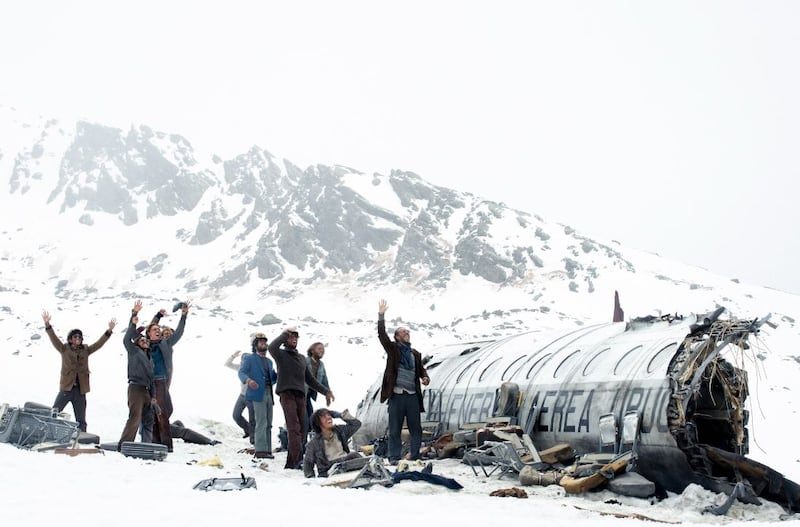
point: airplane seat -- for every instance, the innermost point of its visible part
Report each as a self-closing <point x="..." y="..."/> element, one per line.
<point x="607" y="424"/>
<point x="631" y="423"/>
<point x="631" y="430"/>
<point x="507" y="401"/>
<point x="608" y="443"/>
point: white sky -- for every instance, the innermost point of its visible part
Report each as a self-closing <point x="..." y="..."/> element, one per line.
<point x="671" y="127"/>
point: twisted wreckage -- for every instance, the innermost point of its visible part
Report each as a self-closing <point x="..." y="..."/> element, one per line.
<point x="39" y="427"/>
<point x="682" y="403"/>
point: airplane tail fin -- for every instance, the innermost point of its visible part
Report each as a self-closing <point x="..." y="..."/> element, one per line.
<point x="619" y="314"/>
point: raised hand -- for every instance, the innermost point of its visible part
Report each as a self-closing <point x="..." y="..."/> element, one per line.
<point x="185" y="308"/>
<point x="162" y="312"/>
<point x="111" y="324"/>
<point x="46" y="317"/>
<point x="137" y="306"/>
<point x="382" y="307"/>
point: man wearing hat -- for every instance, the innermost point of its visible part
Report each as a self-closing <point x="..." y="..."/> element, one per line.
<point x="74" y="382"/>
<point x="293" y="376"/>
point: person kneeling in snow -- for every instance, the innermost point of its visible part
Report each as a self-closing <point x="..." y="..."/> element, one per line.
<point x="329" y="444"/>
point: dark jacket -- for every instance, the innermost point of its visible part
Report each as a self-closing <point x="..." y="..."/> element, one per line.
<point x="293" y="373"/>
<point x="315" y="449"/>
<point x="251" y="368"/>
<point x="140" y="364"/>
<point x="75" y="360"/>
<point x="393" y="361"/>
<point x="166" y="344"/>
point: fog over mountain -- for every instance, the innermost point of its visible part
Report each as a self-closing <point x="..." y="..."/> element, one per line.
<point x="263" y="224"/>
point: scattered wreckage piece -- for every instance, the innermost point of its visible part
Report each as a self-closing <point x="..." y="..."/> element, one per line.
<point x="513" y="492"/>
<point x="348" y="465"/>
<point x="225" y="484"/>
<point x="529" y="476"/>
<point x="631" y="484"/>
<point x="556" y="454"/>
<point x="35" y="427"/>
<point x="577" y="483"/>
<point x="75" y="451"/>
<point x="149" y="451"/>
<point x="633" y="515"/>
<point x="372" y="473"/>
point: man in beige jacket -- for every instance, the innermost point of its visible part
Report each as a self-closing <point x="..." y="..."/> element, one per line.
<point x="74" y="382"/>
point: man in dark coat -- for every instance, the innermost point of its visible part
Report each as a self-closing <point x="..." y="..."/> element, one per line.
<point x="74" y="381"/>
<point x="293" y="376"/>
<point x="401" y="386"/>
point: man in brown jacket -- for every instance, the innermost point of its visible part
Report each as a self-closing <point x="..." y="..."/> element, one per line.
<point x="401" y="386"/>
<point x="74" y="382"/>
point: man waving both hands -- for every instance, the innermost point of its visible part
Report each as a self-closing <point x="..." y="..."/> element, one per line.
<point x="74" y="381"/>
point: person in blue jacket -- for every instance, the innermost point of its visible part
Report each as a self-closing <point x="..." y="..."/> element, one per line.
<point x="257" y="373"/>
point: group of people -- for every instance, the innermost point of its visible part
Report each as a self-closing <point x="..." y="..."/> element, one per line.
<point x="295" y="379"/>
<point x="149" y="373"/>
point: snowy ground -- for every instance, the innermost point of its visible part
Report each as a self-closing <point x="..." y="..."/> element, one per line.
<point x="100" y="488"/>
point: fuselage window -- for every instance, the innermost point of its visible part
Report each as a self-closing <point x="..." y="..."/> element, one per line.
<point x="506" y="374"/>
<point x="487" y="368"/>
<point x="566" y="364"/>
<point x="660" y="358"/>
<point x="626" y="360"/>
<point x="465" y="370"/>
<point x="539" y="363"/>
<point x="469" y="350"/>
<point x="591" y="366"/>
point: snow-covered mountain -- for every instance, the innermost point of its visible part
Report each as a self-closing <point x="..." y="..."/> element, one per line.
<point x="212" y="228"/>
<point x="275" y="222"/>
<point x="95" y="217"/>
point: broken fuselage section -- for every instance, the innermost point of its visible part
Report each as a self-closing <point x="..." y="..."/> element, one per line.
<point x="669" y="372"/>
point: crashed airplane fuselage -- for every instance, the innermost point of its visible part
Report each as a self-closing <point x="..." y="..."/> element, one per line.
<point x="668" y="371"/>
